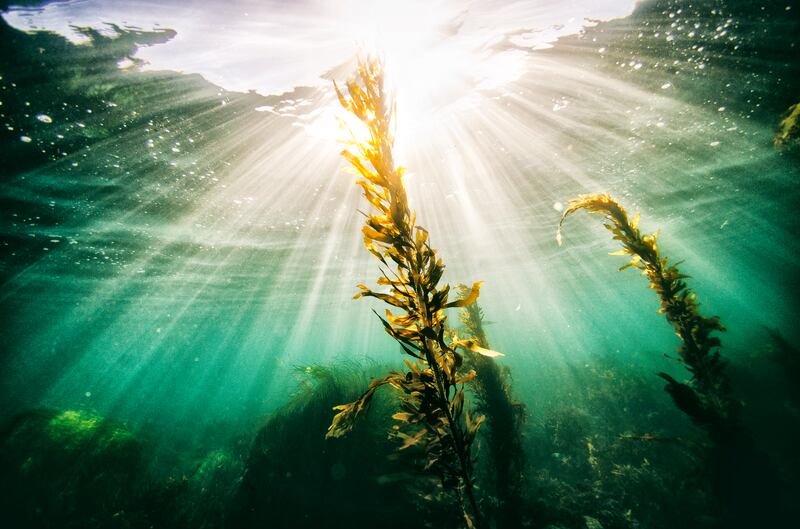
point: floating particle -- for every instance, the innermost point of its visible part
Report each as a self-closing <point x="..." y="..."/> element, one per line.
<point x="44" y="118"/>
<point x="25" y="139"/>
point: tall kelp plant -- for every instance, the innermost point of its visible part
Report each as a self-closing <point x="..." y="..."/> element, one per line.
<point x="505" y="417"/>
<point x="706" y="396"/>
<point x="432" y="417"/>
<point x="743" y="478"/>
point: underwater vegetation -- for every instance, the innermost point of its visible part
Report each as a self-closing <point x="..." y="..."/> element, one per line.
<point x="586" y="467"/>
<point x="505" y="417"/>
<point x="706" y="397"/>
<point x="294" y="477"/>
<point x="611" y="452"/>
<point x="432" y="412"/>
<point x="297" y="478"/>
<point x="75" y="468"/>
<point x="740" y="473"/>
<point x="787" y="355"/>
<point x="595" y="446"/>
<point x="67" y="469"/>
<point x="788" y="134"/>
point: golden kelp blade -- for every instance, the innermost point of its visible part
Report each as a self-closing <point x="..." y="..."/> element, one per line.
<point x="473" y="346"/>
<point x="470" y="298"/>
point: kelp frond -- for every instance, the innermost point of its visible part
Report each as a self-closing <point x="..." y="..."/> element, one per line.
<point x="505" y="416"/>
<point x="344" y="421"/>
<point x="788" y="133"/>
<point x="432" y="417"/>
<point x="706" y="396"/>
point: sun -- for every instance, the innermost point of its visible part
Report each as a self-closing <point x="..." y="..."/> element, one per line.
<point x="431" y="65"/>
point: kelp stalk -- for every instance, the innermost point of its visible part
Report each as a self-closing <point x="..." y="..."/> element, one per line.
<point x="433" y="415"/>
<point x="706" y="396"/>
<point x="505" y="417"/>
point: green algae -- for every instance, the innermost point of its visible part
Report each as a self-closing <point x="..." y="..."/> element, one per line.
<point x="71" y="468"/>
<point x="73" y="430"/>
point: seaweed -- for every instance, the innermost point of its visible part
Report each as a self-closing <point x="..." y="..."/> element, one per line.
<point x="433" y="416"/>
<point x="68" y="469"/>
<point x="739" y="472"/>
<point x="788" y="133"/>
<point x="505" y="417"/>
<point x="706" y="397"/>
<point x="296" y="478"/>
<point x="590" y="462"/>
<point x="783" y="352"/>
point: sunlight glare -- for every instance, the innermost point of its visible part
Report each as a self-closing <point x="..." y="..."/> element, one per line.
<point x="430" y="64"/>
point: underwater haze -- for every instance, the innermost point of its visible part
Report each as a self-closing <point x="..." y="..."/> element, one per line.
<point x="182" y="240"/>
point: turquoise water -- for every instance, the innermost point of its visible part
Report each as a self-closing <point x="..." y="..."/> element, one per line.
<point x="175" y="248"/>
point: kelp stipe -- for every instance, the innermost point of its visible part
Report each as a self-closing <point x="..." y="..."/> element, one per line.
<point x="432" y="414"/>
<point x="504" y="418"/>
<point x="706" y="397"/>
<point x="786" y="354"/>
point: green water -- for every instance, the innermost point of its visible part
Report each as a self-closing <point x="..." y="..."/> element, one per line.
<point x="173" y="258"/>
